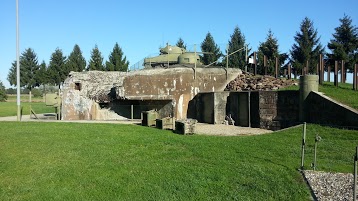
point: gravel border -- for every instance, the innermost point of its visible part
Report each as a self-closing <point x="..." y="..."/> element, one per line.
<point x="330" y="186"/>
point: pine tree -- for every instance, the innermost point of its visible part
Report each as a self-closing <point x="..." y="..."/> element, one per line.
<point x="11" y="77"/>
<point x="269" y="48"/>
<point x="43" y="76"/>
<point x="57" y="69"/>
<point x="96" y="61"/>
<point x="344" y="45"/>
<point x="237" y="41"/>
<point x="29" y="68"/>
<point x="180" y="43"/>
<point x="76" y="62"/>
<point x="307" y="47"/>
<point x="116" y="62"/>
<point x="3" y="95"/>
<point x="211" y="50"/>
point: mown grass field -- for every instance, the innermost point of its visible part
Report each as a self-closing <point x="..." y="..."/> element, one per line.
<point x="10" y="108"/>
<point x="69" y="161"/>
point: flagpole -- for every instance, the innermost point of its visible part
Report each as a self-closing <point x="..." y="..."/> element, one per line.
<point x="17" y="63"/>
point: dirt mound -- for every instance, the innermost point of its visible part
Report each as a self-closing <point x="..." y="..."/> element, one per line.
<point x="248" y="81"/>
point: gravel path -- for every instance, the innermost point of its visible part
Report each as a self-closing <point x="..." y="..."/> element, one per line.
<point x="227" y="130"/>
<point x="330" y="186"/>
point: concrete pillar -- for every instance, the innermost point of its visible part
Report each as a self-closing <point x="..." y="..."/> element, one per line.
<point x="308" y="83"/>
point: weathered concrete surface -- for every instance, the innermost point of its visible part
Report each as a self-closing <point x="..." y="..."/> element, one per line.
<point x="83" y="92"/>
<point x="321" y="109"/>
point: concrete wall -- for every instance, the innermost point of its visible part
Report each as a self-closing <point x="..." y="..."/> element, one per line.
<point x="321" y="109"/>
<point x="208" y="107"/>
<point x="178" y="85"/>
<point x="274" y="109"/>
<point x="261" y="109"/>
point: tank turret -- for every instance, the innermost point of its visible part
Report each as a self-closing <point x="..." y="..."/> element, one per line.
<point x="171" y="55"/>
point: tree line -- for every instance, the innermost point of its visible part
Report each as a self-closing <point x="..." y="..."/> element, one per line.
<point x="34" y="74"/>
<point x="303" y="53"/>
<point x="305" y="50"/>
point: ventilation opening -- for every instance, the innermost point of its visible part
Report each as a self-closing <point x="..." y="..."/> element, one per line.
<point x="78" y="86"/>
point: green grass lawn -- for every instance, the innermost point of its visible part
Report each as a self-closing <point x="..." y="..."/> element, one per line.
<point x="23" y="98"/>
<point x="10" y="108"/>
<point x="343" y="93"/>
<point x="73" y="161"/>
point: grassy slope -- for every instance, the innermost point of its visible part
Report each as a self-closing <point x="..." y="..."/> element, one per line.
<point x="68" y="161"/>
<point x="343" y="93"/>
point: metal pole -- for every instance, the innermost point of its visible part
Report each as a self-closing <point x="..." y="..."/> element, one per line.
<point x="132" y="112"/>
<point x="227" y="59"/>
<point x="355" y="176"/>
<point x="18" y="63"/>
<point x="303" y="145"/>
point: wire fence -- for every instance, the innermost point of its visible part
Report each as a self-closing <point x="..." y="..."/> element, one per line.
<point x="323" y="150"/>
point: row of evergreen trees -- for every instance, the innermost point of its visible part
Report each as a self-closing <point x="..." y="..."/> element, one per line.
<point x="34" y="74"/>
<point x="306" y="49"/>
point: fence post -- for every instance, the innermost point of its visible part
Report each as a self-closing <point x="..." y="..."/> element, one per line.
<point x="265" y="65"/>
<point x="276" y="68"/>
<point x="328" y="73"/>
<point x="355" y="81"/>
<point x="355" y="176"/>
<point x="132" y="112"/>
<point x="336" y="73"/>
<point x="317" y="139"/>
<point x="255" y="64"/>
<point x="342" y="72"/>
<point x="303" y="145"/>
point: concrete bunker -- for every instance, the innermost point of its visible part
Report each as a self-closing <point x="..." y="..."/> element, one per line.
<point x="98" y="95"/>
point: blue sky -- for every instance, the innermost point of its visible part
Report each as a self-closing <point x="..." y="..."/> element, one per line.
<point x="141" y="27"/>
